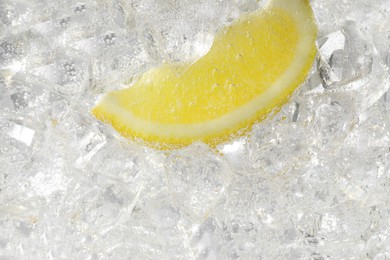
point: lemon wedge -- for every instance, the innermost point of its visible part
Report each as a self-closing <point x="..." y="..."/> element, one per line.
<point x="252" y="68"/>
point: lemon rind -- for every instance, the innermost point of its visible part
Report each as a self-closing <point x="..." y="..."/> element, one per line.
<point x="217" y="129"/>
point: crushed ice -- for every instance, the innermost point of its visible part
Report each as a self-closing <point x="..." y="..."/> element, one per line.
<point x="312" y="182"/>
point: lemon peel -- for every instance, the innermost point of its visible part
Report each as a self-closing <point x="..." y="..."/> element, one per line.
<point x="252" y="68"/>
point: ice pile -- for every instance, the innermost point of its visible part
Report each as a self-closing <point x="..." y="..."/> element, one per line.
<point x="311" y="182"/>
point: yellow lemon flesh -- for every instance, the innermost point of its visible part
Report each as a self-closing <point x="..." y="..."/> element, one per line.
<point x="251" y="69"/>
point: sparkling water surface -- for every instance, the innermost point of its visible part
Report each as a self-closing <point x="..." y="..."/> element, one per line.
<point x="311" y="182"/>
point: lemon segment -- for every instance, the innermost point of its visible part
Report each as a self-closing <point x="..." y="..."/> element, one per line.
<point x="251" y="69"/>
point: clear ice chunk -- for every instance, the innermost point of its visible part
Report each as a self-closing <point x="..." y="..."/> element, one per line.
<point x="348" y="62"/>
<point x="196" y="185"/>
<point x="90" y="143"/>
<point x="332" y="44"/>
<point x="22" y="134"/>
<point x="69" y="76"/>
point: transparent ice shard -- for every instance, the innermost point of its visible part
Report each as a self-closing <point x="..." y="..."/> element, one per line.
<point x="171" y="228"/>
<point x="118" y="62"/>
<point x="332" y="44"/>
<point x="20" y="100"/>
<point x="190" y="42"/>
<point x="196" y="185"/>
<point x="47" y="183"/>
<point x="16" y="139"/>
<point x="9" y="15"/>
<point x="207" y="240"/>
<point x="22" y="134"/>
<point x="90" y="143"/>
<point x="347" y="62"/>
<point x="19" y="96"/>
<point x="116" y="161"/>
<point x="6" y="103"/>
<point x="70" y="75"/>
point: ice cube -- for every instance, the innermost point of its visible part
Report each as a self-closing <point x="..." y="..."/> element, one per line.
<point x="45" y="184"/>
<point x="196" y="185"/>
<point x="70" y="76"/>
<point x="331" y="43"/>
<point x="12" y="50"/>
<point x="22" y="134"/>
<point x="91" y="142"/>
<point x="348" y="62"/>
<point x="207" y="240"/>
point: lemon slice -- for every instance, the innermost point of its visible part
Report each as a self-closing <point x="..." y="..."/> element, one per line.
<point x="251" y="69"/>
